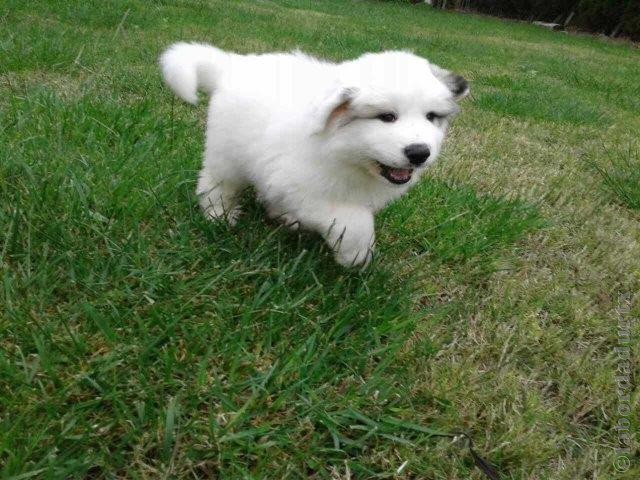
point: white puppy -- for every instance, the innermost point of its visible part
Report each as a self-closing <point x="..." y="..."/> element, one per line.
<point x="325" y="145"/>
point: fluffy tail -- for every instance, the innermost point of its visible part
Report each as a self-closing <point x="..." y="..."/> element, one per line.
<point x="187" y="67"/>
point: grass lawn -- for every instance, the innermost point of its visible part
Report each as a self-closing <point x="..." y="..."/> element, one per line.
<point x="139" y="341"/>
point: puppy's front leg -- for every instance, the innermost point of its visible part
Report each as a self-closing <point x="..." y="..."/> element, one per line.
<point x="349" y="231"/>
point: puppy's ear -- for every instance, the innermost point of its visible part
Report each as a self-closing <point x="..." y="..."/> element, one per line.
<point x="336" y="109"/>
<point x="457" y="84"/>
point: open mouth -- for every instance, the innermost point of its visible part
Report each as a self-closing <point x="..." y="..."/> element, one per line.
<point x="396" y="175"/>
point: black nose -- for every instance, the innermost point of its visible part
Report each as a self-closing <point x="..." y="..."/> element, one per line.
<point x="417" y="153"/>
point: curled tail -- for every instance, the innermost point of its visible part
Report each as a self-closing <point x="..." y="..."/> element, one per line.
<point x="187" y="67"/>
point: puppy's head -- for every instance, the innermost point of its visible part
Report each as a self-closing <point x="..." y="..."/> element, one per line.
<point x="392" y="119"/>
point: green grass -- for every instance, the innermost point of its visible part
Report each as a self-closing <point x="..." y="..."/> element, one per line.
<point x="137" y="340"/>
<point x="621" y="176"/>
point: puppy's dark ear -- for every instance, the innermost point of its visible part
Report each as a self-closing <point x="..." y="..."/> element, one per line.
<point x="335" y="110"/>
<point x="457" y="84"/>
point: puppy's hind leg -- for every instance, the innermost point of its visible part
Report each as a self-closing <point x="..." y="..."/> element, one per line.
<point x="284" y="218"/>
<point x="219" y="187"/>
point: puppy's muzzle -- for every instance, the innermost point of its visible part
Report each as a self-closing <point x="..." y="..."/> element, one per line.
<point x="417" y="153"/>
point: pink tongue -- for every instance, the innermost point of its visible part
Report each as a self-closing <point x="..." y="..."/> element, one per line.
<point x="400" y="173"/>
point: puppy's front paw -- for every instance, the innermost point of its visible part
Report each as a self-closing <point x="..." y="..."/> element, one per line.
<point x="357" y="258"/>
<point x="348" y="230"/>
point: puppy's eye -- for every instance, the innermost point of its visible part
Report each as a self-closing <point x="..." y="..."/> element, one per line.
<point x="387" y="117"/>
<point x="431" y="116"/>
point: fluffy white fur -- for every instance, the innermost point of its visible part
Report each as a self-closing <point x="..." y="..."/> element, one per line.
<point x="314" y="138"/>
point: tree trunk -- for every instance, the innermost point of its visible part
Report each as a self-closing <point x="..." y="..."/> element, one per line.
<point x="614" y="33"/>
<point x="569" y="18"/>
